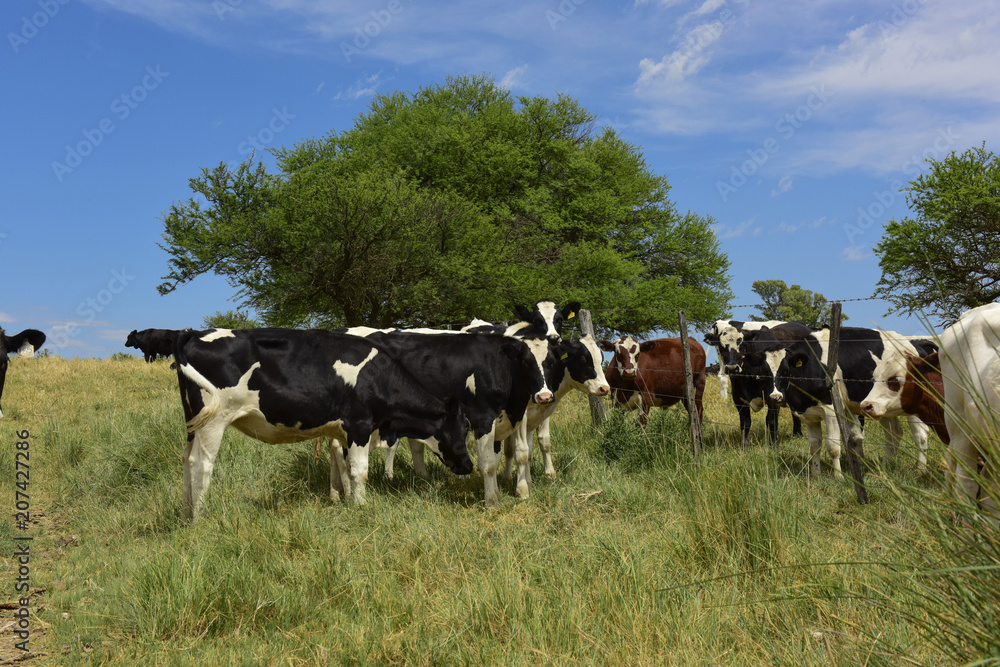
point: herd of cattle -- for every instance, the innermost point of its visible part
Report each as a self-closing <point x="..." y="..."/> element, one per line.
<point x="363" y="388"/>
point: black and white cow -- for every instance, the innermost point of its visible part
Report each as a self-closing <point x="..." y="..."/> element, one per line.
<point x="578" y="366"/>
<point x="24" y="344"/>
<point x="747" y="372"/>
<point x="152" y="342"/>
<point x="493" y="376"/>
<point x="544" y="320"/>
<point x="284" y="385"/>
<point x="800" y="379"/>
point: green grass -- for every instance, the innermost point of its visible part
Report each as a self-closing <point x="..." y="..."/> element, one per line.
<point x="634" y="554"/>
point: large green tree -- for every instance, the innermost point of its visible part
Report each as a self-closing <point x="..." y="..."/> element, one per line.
<point x="945" y="258"/>
<point x="781" y="302"/>
<point x="452" y="202"/>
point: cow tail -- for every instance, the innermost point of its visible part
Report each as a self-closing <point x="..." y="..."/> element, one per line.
<point x="210" y="394"/>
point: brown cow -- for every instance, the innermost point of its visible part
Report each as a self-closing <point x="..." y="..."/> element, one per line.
<point x="651" y="374"/>
<point x="922" y="390"/>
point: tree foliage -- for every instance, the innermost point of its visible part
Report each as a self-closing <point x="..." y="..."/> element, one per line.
<point x="944" y="259"/>
<point x="453" y="202"/>
<point x="781" y="302"/>
<point x="231" y="319"/>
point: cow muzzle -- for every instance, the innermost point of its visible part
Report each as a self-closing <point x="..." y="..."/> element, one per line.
<point x="733" y="368"/>
<point x="777" y="397"/>
<point x="543" y="397"/>
<point x="629" y="372"/>
<point x="870" y="409"/>
<point x="603" y="390"/>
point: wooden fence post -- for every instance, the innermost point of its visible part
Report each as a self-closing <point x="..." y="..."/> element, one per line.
<point x="853" y="444"/>
<point x="689" y="388"/>
<point x="597" y="414"/>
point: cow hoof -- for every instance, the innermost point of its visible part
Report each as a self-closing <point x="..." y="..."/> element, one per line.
<point x="523" y="489"/>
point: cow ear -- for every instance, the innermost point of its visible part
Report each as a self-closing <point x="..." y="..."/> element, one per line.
<point x="606" y="345"/>
<point x="933" y="361"/>
<point x="711" y="339"/>
<point x="647" y="346"/>
<point x="26" y="342"/>
<point x="523" y="313"/>
<point x="570" y="310"/>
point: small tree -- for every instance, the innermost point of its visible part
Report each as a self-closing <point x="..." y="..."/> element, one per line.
<point x="231" y="320"/>
<point x="944" y="259"/>
<point x="782" y="302"/>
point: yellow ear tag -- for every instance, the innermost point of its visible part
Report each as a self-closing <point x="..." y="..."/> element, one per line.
<point x="798" y="364"/>
<point x="571" y="316"/>
<point x="565" y="356"/>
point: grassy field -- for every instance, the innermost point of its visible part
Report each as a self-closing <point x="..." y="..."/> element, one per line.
<point x="633" y="555"/>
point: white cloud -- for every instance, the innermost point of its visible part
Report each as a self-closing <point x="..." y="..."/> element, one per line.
<point x="6" y="317"/>
<point x="745" y="228"/>
<point x="513" y="78"/>
<point x="784" y="185"/>
<point x="856" y="253"/>
<point x="365" y="87"/>
<point x="894" y="76"/>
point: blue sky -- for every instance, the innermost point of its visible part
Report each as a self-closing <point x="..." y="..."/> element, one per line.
<point x="793" y="124"/>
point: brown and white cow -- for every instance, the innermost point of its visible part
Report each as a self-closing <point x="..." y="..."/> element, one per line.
<point x="651" y="374"/>
<point x="921" y="392"/>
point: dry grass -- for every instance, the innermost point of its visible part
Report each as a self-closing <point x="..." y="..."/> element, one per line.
<point x="740" y="560"/>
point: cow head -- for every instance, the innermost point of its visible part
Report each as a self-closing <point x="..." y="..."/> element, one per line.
<point x="799" y="377"/>
<point x="546" y="319"/>
<point x="454" y="432"/>
<point x="582" y="361"/>
<point x="626" y="354"/>
<point x="133" y="339"/>
<point x="24" y="343"/>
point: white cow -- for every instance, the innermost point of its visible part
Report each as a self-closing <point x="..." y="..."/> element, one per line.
<point x="970" y="368"/>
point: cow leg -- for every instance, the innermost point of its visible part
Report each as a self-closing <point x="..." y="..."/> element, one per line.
<point x="796" y="425"/>
<point x="199" y="460"/>
<point x="743" y="410"/>
<point x="487" y="456"/>
<point x="921" y="433"/>
<point x="188" y="504"/>
<point x="508" y="452"/>
<point x="644" y="410"/>
<point x="522" y="453"/>
<point x="771" y="422"/>
<point x="357" y="464"/>
<point x="893" y="434"/>
<point x="338" y="469"/>
<point x="964" y="461"/>
<point x="545" y="444"/>
<point x="815" y="431"/>
<point x="833" y="440"/>
<point x="390" y="454"/>
<point x="417" y="456"/>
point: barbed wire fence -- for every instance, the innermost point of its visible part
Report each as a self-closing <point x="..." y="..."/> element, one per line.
<point x="684" y="392"/>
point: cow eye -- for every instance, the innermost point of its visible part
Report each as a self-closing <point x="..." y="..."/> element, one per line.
<point x="894" y="383"/>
